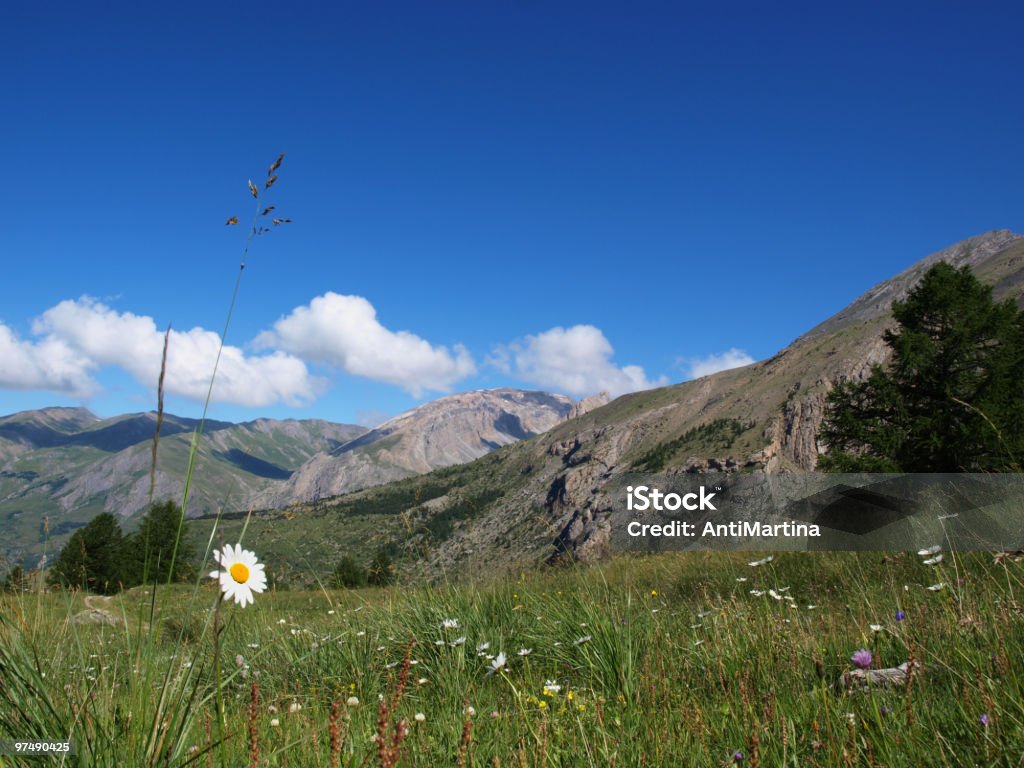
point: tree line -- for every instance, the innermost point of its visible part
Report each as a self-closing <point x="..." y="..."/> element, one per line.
<point x="101" y="558"/>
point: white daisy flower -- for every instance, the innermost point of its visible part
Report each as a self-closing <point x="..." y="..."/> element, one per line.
<point x="450" y="624"/>
<point x="525" y="651"/>
<point x="483" y="647"/>
<point x="757" y="592"/>
<point x="936" y="587"/>
<point x="457" y="642"/>
<point x="934" y="549"/>
<point x="550" y="686"/>
<point x="352" y="701"/>
<point x="243" y="574"/>
<point x="497" y="664"/>
<point x="762" y="561"/>
<point x="933" y="560"/>
<point x="875" y="627"/>
<point x="419" y="717"/>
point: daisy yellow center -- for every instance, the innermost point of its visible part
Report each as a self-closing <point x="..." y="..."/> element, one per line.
<point x="240" y="572"/>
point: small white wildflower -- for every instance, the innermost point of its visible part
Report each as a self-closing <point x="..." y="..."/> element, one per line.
<point x="876" y="627"/>
<point x="419" y="717"/>
<point x="422" y="681"/>
<point x="932" y="550"/>
<point x="762" y="561"/>
<point x="281" y="621"/>
<point x="450" y="624"/>
<point x="330" y="612"/>
<point x="294" y="707"/>
<point x="772" y="593"/>
<point x="457" y="642"/>
<point x="483" y="647"/>
<point x="582" y="640"/>
<point x="697" y="642"/>
<point x="525" y="651"/>
<point x="439" y="642"/>
<point x="497" y="664"/>
<point x="274" y="723"/>
<point x="352" y="701"/>
<point x="812" y="607"/>
<point x="933" y="560"/>
<point x="361" y="633"/>
<point x="550" y="686"/>
<point x="741" y="579"/>
<point x="757" y="592"/>
<point x="936" y="587"/>
<point x="470" y="711"/>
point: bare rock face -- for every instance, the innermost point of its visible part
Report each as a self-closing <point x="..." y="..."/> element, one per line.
<point x="588" y="404"/>
<point x="452" y="430"/>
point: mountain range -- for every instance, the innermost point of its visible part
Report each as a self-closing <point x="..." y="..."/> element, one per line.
<point x="65" y="465"/>
<point x="479" y="480"/>
<point x="539" y="500"/>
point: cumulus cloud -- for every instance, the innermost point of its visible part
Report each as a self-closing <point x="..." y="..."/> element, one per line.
<point x="576" y="361"/>
<point x="47" y="364"/>
<point x="343" y="331"/>
<point x="96" y="336"/>
<point x="713" y="363"/>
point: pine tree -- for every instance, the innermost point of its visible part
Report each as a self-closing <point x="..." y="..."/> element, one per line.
<point x="16" y="580"/>
<point x="349" y="574"/>
<point x="951" y="399"/>
<point x="151" y="547"/>
<point x="93" y="559"/>
<point x="382" y="569"/>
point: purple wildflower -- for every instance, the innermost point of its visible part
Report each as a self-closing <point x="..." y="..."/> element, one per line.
<point x="900" y="615"/>
<point x="984" y="719"/>
<point x="861" y="658"/>
<point x="737" y="756"/>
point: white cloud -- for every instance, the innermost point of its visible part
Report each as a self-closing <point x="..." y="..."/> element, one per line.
<point x="102" y="336"/>
<point x="343" y="331"/>
<point x="713" y="363"/>
<point x="576" y="361"/>
<point x="47" y="364"/>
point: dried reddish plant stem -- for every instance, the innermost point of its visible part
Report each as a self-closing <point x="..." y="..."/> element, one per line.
<point x="335" y="732"/>
<point x="465" y="758"/>
<point x="254" y="731"/>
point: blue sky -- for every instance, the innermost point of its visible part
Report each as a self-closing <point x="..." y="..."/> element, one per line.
<point x="545" y="195"/>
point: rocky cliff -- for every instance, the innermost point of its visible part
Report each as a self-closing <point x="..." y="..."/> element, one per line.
<point x="451" y="430"/>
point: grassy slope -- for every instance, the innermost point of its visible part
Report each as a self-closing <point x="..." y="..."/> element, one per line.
<point x="683" y="666"/>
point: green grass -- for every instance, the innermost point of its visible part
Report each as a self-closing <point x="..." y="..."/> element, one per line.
<point x="681" y="665"/>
